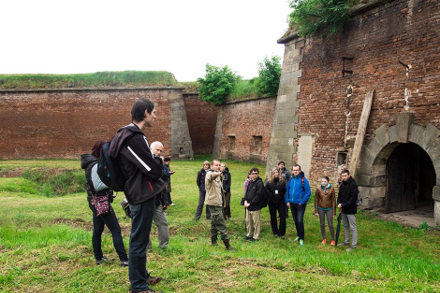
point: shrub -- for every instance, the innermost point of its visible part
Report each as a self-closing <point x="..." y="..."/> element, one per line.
<point x="269" y="76"/>
<point x="217" y="84"/>
<point x="313" y="17"/>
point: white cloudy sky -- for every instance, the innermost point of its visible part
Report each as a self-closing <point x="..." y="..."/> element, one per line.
<point x="179" y="36"/>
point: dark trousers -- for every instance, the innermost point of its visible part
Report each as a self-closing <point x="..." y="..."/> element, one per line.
<point x="298" y="217"/>
<point x="200" y="206"/>
<point x="141" y="220"/>
<point x="218" y="224"/>
<point x="112" y="224"/>
<point x="281" y="209"/>
<point x="227" y="208"/>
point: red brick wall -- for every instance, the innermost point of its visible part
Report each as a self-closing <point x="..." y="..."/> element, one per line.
<point x="65" y="124"/>
<point x="401" y="30"/>
<point x="202" y="119"/>
<point x="244" y="120"/>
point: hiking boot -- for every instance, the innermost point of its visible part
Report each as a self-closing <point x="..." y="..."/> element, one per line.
<point x="124" y="263"/>
<point x="301" y="242"/>
<point x="351" y="248"/>
<point x="213" y="241"/>
<point x="103" y="260"/>
<point x="248" y="238"/>
<point x="153" y="280"/>
<point x="253" y="240"/>
<point x="333" y="243"/>
<point x="296" y="239"/>
<point x="147" y="291"/>
<point x="344" y="244"/>
<point x="324" y="241"/>
<point x="228" y="245"/>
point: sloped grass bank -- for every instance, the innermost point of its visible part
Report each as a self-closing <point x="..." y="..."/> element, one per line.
<point x="45" y="246"/>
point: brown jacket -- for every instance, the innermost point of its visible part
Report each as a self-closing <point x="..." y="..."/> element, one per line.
<point x="325" y="199"/>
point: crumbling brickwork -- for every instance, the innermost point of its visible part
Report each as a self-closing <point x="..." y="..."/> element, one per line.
<point x="392" y="49"/>
<point x="201" y="118"/>
<point x="66" y="123"/>
<point x="246" y="128"/>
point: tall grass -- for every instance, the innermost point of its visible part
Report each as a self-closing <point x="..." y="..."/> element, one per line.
<point x="87" y="80"/>
<point x="244" y="89"/>
<point x="45" y="246"/>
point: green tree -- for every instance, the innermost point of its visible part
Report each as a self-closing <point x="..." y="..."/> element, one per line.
<point x="217" y="84"/>
<point x="313" y="17"/>
<point x="269" y="75"/>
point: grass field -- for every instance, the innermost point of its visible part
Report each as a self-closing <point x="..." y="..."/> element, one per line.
<point x="45" y="246"/>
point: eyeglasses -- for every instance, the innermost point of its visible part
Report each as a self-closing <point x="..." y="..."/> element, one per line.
<point x="295" y="170"/>
<point x="254" y="173"/>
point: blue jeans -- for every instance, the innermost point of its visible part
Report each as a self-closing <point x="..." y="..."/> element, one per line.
<point x="141" y="220"/>
<point x="298" y="217"/>
<point x="112" y="223"/>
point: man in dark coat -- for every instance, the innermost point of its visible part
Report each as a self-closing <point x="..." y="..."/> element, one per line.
<point x="347" y="197"/>
<point x="252" y="202"/>
<point x="227" y="190"/>
<point x="143" y="173"/>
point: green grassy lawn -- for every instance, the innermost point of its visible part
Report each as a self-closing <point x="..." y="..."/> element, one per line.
<point x="45" y="246"/>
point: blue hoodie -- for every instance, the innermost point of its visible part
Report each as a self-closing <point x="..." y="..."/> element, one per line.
<point x="295" y="192"/>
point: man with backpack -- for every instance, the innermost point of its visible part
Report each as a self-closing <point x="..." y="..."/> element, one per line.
<point x="297" y="195"/>
<point x="143" y="173"/>
<point x="347" y="198"/>
<point x="253" y="199"/>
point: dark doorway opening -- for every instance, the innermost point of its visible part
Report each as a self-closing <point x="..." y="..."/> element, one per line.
<point x="411" y="177"/>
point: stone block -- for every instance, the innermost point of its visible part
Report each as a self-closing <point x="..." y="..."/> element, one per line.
<point x="437" y="213"/>
<point x="366" y="161"/>
<point x="381" y="135"/>
<point x="375" y="147"/>
<point x="403" y="122"/>
<point x="392" y="134"/>
<point x="434" y="150"/>
<point x="430" y="134"/>
<point x="415" y="133"/>
<point x="436" y="193"/>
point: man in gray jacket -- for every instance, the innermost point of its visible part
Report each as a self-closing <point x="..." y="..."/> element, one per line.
<point x="214" y="201"/>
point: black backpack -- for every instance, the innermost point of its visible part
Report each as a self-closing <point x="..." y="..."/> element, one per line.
<point x="265" y="197"/>
<point x="109" y="171"/>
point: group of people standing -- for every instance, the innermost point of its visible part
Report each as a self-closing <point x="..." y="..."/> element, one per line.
<point x="147" y="189"/>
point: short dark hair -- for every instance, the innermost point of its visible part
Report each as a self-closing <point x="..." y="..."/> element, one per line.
<point x="281" y="162"/>
<point x="167" y="159"/>
<point x="215" y="160"/>
<point x="326" y="178"/>
<point x="254" y="170"/>
<point x="297" y="165"/>
<point x="139" y="107"/>
<point x="345" y="171"/>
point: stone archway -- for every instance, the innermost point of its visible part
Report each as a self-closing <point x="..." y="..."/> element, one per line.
<point x="372" y="175"/>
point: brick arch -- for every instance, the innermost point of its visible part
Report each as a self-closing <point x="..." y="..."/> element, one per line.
<point x="371" y="174"/>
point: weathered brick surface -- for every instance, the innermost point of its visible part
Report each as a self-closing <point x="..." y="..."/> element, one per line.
<point x="65" y="124"/>
<point x="401" y="30"/>
<point x="245" y="120"/>
<point x="201" y="118"/>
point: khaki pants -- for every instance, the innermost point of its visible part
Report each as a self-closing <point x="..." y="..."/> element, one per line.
<point x="253" y="223"/>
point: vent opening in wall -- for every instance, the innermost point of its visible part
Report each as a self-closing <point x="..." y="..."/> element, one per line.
<point x="231" y="143"/>
<point x="347" y="66"/>
<point x="256" y="144"/>
<point x="341" y="158"/>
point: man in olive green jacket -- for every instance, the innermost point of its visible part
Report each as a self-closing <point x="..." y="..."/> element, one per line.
<point x="214" y="201"/>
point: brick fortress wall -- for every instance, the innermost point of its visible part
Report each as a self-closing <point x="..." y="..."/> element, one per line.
<point x="201" y="123"/>
<point x="394" y="50"/>
<point x="244" y="130"/>
<point x="66" y="123"/>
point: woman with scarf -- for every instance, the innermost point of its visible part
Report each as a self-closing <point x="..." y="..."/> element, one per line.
<point x="325" y="206"/>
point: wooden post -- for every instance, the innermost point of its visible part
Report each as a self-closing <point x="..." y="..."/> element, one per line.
<point x="354" y="160"/>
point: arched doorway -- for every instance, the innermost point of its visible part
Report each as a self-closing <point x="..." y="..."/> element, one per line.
<point x="410" y="179"/>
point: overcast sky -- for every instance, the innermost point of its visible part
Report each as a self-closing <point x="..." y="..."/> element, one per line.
<point x="179" y="36"/>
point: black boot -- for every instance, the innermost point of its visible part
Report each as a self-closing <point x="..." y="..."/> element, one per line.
<point x="228" y="246"/>
<point x="213" y="241"/>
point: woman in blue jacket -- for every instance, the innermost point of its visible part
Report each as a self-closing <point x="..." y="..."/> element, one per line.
<point x="297" y="195"/>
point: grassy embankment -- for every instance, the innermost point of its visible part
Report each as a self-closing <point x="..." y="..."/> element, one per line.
<point x="45" y="245"/>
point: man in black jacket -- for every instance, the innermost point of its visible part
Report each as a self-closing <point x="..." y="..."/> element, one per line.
<point x="202" y="191"/>
<point x="227" y="189"/>
<point x="347" y="197"/>
<point x="143" y="173"/>
<point x="252" y="203"/>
